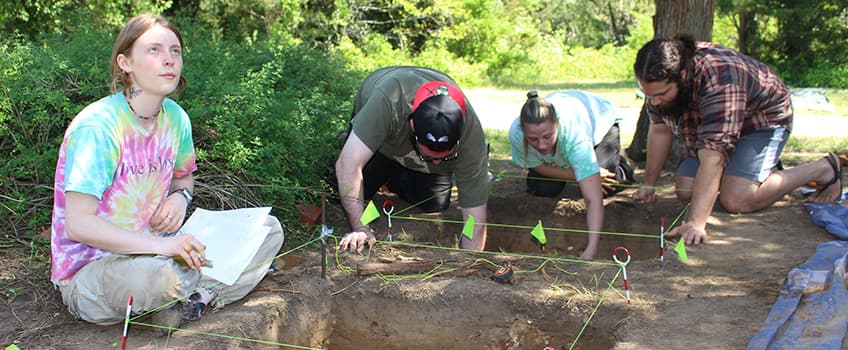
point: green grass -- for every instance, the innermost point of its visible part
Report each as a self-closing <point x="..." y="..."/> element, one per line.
<point x="587" y="85"/>
<point x="801" y="149"/>
<point x="499" y="142"/>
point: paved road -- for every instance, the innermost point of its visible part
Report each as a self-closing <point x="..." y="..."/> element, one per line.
<point x="498" y="108"/>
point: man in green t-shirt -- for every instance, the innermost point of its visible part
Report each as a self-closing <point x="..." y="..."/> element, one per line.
<point x="413" y="130"/>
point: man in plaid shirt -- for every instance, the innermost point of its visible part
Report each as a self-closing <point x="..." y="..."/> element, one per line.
<point x="734" y="116"/>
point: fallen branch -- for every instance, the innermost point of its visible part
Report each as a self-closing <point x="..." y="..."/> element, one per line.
<point x="278" y="290"/>
<point x="345" y="288"/>
<point x="461" y="272"/>
<point x="395" y="268"/>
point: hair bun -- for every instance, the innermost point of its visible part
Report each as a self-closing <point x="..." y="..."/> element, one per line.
<point x="532" y="94"/>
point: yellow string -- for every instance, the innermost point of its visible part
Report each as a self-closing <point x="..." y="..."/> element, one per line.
<point x="595" y="310"/>
<point x="524" y="227"/>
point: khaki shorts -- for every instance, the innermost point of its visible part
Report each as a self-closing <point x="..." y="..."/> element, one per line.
<point x="754" y="158"/>
<point x="98" y="293"/>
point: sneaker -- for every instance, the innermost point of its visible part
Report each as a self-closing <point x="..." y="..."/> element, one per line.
<point x="197" y="304"/>
<point x="191" y="309"/>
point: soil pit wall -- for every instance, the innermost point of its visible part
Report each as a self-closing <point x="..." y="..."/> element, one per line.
<point x="625" y="224"/>
<point x="471" y="312"/>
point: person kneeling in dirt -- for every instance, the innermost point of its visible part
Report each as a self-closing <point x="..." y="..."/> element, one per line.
<point x="413" y="130"/>
<point x="734" y="116"/>
<point x="571" y="135"/>
<point x="123" y="182"/>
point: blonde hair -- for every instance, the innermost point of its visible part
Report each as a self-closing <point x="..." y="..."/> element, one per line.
<point x="124" y="43"/>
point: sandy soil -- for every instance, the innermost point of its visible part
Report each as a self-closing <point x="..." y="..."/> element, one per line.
<point x="716" y="301"/>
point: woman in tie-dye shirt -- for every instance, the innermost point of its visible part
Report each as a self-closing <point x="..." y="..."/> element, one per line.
<point x="568" y="136"/>
<point x="124" y="180"/>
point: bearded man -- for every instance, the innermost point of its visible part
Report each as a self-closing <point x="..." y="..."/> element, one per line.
<point x="734" y="116"/>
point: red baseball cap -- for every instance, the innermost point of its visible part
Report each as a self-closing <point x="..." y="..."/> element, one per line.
<point x="438" y="113"/>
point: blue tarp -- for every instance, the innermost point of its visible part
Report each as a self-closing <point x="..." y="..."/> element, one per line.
<point x="811" y="311"/>
<point x="833" y="217"/>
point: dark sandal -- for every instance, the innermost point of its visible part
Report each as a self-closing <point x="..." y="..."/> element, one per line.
<point x="836" y="165"/>
<point x="194" y="307"/>
<point x="193" y="311"/>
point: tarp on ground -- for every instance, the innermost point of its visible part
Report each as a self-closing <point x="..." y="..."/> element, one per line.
<point x="811" y="311"/>
<point x="833" y="217"/>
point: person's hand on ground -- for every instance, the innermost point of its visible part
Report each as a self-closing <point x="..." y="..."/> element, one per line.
<point x="690" y="234"/>
<point x="608" y="180"/>
<point x="645" y="195"/>
<point x="357" y="240"/>
<point x="589" y="254"/>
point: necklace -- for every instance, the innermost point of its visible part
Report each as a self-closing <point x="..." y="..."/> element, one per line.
<point x="139" y="116"/>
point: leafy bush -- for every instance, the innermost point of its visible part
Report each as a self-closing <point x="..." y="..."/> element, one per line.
<point x="41" y="89"/>
<point x="826" y="74"/>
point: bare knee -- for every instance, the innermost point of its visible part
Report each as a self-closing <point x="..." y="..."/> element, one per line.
<point x="735" y="204"/>
<point x="683" y="186"/>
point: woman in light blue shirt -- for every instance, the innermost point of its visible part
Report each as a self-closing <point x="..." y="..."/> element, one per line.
<point x="571" y="135"/>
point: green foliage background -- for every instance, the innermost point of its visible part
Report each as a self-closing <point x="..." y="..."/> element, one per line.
<point x="271" y="82"/>
<point x="803" y="40"/>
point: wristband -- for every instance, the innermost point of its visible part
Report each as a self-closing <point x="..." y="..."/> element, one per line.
<point x="186" y="194"/>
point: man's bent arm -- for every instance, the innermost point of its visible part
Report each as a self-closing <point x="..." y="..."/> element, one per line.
<point x="352" y="160"/>
<point x="706" y="186"/>
<point x="659" y="143"/>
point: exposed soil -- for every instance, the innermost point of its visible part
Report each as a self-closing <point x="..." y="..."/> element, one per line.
<point x="718" y="301"/>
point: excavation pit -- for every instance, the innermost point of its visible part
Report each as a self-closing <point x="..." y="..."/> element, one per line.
<point x="456" y="306"/>
<point x="553" y="299"/>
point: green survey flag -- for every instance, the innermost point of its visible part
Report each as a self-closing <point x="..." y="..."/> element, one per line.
<point x="468" y="229"/>
<point x="539" y="233"/>
<point x="369" y="214"/>
<point x="680" y="249"/>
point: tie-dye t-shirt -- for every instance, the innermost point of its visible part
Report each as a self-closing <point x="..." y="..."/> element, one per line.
<point x="584" y="119"/>
<point x="107" y="154"/>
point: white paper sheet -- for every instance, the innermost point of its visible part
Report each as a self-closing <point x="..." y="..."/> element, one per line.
<point x="232" y="238"/>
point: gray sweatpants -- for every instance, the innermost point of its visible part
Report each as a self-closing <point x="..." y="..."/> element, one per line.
<point x="99" y="292"/>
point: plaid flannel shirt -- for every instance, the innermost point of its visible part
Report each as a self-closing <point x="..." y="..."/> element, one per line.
<point x="732" y="95"/>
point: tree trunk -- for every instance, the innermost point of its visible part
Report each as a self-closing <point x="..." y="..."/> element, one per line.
<point x="671" y="17"/>
<point x="693" y="16"/>
<point x="747" y="25"/>
<point x="638" y="149"/>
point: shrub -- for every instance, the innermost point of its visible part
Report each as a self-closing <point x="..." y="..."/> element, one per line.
<point x="41" y="88"/>
<point x="826" y="74"/>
